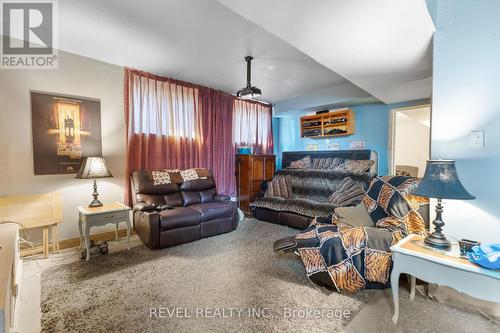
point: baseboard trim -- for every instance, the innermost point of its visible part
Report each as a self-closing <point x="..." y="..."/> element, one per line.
<point x="75" y="242"/>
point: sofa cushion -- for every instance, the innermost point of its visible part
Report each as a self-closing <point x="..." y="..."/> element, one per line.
<point x="143" y="181"/>
<point x="198" y="184"/>
<point x="207" y="195"/>
<point x="173" y="200"/>
<point x="300" y="206"/>
<point x="303" y="163"/>
<point x="190" y="198"/>
<point x="356" y="216"/>
<point x="326" y="163"/>
<point x="348" y="194"/>
<point x="280" y="186"/>
<point x="179" y="217"/>
<point x="360" y="166"/>
<point x="214" y="210"/>
<point x="150" y="199"/>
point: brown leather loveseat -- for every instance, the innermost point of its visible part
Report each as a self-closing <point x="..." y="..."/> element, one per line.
<point x="171" y="214"/>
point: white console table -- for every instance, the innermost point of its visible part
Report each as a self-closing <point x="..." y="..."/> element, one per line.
<point x="440" y="267"/>
<point x="92" y="217"/>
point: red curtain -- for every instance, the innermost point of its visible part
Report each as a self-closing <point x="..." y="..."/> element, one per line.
<point x="174" y="124"/>
<point x="218" y="147"/>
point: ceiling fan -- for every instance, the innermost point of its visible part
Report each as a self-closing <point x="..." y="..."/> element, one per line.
<point x="248" y="92"/>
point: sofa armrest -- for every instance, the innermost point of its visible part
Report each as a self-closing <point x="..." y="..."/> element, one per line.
<point x="222" y="198"/>
<point x="144" y="207"/>
<point x="147" y="226"/>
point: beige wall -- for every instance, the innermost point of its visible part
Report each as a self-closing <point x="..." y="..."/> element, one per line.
<point x="78" y="76"/>
<point x="411" y="141"/>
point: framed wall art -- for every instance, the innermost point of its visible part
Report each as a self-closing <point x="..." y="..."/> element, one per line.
<point x="65" y="129"/>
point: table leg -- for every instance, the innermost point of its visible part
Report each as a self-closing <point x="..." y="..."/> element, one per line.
<point x="87" y="240"/>
<point x="81" y="232"/>
<point x="45" y="232"/>
<point x="128" y="233"/>
<point x="57" y="237"/>
<point x="412" y="287"/>
<point x="53" y="230"/>
<point x="395" y="293"/>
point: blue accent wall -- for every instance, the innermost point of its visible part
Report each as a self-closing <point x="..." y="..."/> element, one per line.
<point x="466" y="97"/>
<point x="372" y="125"/>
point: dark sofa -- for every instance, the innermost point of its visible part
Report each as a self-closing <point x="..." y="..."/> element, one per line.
<point x="171" y="214"/>
<point x="311" y="188"/>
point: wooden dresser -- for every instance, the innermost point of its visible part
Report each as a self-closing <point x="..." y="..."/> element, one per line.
<point x="9" y="275"/>
<point x="251" y="171"/>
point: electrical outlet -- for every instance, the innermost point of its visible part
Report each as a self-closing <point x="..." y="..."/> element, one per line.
<point x="476" y="139"/>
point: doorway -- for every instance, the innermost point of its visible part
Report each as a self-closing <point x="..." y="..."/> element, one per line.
<point x="409" y="140"/>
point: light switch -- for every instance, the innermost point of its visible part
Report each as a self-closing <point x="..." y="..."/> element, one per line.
<point x="476" y="139"/>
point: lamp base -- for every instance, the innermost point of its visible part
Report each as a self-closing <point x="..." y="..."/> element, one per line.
<point x="95" y="203"/>
<point x="437" y="241"/>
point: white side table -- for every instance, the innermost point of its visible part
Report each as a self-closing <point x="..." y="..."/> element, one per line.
<point x="443" y="268"/>
<point x="98" y="216"/>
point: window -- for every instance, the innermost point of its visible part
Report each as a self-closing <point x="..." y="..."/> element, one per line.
<point x="252" y="126"/>
<point x="164" y="108"/>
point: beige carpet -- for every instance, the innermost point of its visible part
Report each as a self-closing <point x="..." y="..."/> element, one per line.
<point x="230" y="283"/>
<point x="214" y="277"/>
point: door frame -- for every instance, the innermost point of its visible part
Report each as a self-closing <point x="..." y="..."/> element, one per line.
<point x="392" y="134"/>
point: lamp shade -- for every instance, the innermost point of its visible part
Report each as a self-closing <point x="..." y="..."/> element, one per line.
<point x="93" y="167"/>
<point x="441" y="182"/>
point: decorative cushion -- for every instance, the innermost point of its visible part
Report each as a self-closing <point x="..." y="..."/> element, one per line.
<point x="327" y="163"/>
<point x="161" y="178"/>
<point x="348" y="194"/>
<point x="175" y="176"/>
<point x="189" y="174"/>
<point x="355" y="165"/>
<point x="356" y="216"/>
<point x="303" y="163"/>
<point x="280" y="186"/>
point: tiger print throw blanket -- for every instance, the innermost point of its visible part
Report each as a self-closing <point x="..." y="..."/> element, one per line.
<point x="349" y="259"/>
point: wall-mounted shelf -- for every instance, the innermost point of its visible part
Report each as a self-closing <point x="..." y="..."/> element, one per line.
<point x="331" y="124"/>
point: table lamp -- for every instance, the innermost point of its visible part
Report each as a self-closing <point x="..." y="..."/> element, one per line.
<point x="93" y="168"/>
<point x="441" y="182"/>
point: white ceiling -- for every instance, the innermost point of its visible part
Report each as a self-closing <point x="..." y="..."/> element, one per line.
<point x="199" y="41"/>
<point x="382" y="46"/>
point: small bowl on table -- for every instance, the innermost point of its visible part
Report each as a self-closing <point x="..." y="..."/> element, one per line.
<point x="466" y="245"/>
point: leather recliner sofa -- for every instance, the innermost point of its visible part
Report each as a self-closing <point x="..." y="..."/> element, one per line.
<point x="171" y="214"/>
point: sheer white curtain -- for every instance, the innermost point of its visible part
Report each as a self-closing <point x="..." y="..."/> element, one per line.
<point x="252" y="126"/>
<point x="164" y="108"/>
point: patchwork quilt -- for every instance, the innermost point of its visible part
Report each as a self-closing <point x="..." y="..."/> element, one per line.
<point x="349" y="259"/>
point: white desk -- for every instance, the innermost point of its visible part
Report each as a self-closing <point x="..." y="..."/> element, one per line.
<point x="108" y="213"/>
<point x="10" y="277"/>
<point x="440" y="267"/>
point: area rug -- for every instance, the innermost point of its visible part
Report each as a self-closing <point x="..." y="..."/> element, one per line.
<point x="231" y="283"/>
